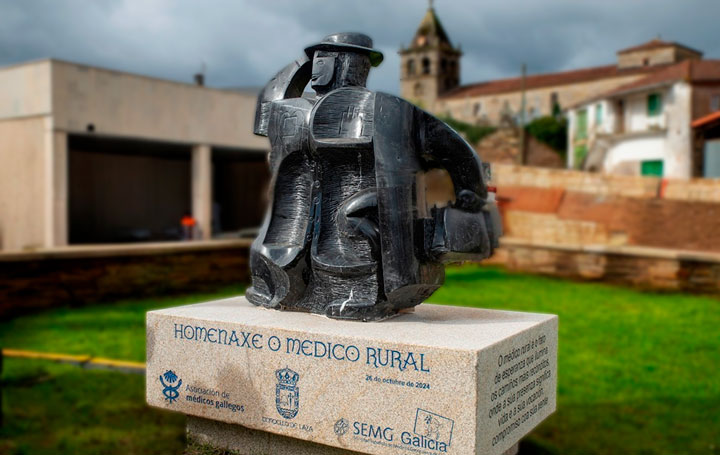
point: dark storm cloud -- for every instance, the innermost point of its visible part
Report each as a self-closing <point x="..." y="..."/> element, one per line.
<point x="242" y="43"/>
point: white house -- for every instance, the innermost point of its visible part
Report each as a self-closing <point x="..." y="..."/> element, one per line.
<point x="644" y="127"/>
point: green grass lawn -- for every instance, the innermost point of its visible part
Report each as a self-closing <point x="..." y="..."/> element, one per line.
<point x="51" y="408"/>
<point x="638" y="372"/>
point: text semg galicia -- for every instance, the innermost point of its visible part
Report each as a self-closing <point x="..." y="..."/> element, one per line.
<point x="422" y="442"/>
<point x="387" y="434"/>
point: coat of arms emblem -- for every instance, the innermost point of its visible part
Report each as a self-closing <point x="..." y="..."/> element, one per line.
<point x="287" y="393"/>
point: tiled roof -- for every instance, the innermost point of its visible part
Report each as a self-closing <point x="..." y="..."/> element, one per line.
<point x="708" y="119"/>
<point x="430" y="33"/>
<point x="688" y="70"/>
<point x="547" y="80"/>
<point x="656" y="44"/>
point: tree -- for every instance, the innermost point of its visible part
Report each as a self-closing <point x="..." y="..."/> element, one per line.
<point x="550" y="130"/>
<point x="472" y="133"/>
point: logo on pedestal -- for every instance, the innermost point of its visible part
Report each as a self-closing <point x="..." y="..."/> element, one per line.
<point x="170" y="389"/>
<point x="341" y="427"/>
<point x="433" y="426"/>
<point x="287" y="393"/>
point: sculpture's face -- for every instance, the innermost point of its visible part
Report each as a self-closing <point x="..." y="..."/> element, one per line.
<point x="323" y="69"/>
<point x="332" y="70"/>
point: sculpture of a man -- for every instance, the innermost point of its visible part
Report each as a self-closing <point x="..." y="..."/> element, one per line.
<point x="348" y="233"/>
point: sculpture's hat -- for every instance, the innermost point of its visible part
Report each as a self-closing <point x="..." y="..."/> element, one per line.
<point x="352" y="42"/>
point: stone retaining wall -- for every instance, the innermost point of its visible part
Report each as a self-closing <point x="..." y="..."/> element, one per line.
<point x="562" y="207"/>
<point x="604" y="184"/>
<point x="645" y="268"/>
<point x="88" y="274"/>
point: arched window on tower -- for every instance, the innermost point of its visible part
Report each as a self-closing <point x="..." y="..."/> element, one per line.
<point x="426" y="65"/>
<point x="411" y="67"/>
<point x="418" y="89"/>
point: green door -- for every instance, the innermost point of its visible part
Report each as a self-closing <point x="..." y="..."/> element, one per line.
<point x="652" y="168"/>
<point x="581" y="126"/>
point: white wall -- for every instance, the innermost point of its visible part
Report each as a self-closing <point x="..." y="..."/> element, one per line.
<point x="666" y="137"/>
<point x="678" y="161"/>
<point x="23" y="186"/>
<point x="593" y="128"/>
<point x="25" y="90"/>
<point x="634" y="150"/>
<point x="130" y="105"/>
<point x="636" y="113"/>
<point x="572" y="125"/>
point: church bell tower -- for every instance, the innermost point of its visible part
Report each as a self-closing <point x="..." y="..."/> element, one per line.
<point x="430" y="66"/>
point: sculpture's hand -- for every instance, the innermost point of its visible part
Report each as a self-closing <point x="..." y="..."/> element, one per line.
<point x="351" y="123"/>
<point x="469" y="201"/>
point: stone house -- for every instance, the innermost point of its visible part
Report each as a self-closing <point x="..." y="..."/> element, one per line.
<point x="644" y="127"/>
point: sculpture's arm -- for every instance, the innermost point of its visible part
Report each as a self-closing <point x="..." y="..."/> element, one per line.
<point x="288" y="83"/>
<point x="470" y="228"/>
<point x="441" y="147"/>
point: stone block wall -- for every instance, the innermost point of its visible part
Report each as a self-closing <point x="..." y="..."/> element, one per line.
<point x="505" y="175"/>
<point x="549" y="206"/>
<point x="697" y="189"/>
<point x="83" y="275"/>
<point x="637" y="231"/>
<point x="645" y="268"/>
<point x="693" y="190"/>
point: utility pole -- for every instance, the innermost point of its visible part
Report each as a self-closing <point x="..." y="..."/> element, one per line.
<point x="523" y="139"/>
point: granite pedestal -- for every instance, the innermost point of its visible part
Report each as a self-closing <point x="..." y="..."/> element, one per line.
<point x="439" y="379"/>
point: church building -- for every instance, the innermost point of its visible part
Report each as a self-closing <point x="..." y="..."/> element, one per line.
<point x="430" y="77"/>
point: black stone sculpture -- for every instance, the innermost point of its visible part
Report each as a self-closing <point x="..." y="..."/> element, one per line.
<point x="348" y="233"/>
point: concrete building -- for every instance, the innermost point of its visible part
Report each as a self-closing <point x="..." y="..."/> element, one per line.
<point x="644" y="127"/>
<point x="430" y="76"/>
<point x="89" y="155"/>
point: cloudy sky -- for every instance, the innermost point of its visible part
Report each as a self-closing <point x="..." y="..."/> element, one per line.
<point x="243" y="43"/>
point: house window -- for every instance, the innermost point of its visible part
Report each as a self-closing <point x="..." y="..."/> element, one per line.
<point x="443" y="64"/>
<point x="426" y="65"/>
<point x="598" y="114"/>
<point x="715" y="103"/>
<point x="654" y="104"/>
<point x="411" y="67"/>
<point x="477" y="109"/>
<point x="581" y="125"/>
<point x="652" y="168"/>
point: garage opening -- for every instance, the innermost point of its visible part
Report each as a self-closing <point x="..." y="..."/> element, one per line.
<point x="240" y="183"/>
<point x="124" y="190"/>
